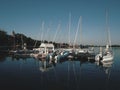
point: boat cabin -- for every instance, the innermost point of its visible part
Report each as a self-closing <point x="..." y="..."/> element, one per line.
<point x="47" y="47"/>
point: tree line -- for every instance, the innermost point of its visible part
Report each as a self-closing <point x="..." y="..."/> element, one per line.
<point x="16" y="40"/>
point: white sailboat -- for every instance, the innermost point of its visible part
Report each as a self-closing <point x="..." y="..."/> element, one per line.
<point x="107" y="55"/>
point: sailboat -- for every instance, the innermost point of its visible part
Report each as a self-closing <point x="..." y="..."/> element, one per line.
<point x="107" y="55"/>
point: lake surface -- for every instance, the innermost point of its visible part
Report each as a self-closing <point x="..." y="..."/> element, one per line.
<point x="33" y="74"/>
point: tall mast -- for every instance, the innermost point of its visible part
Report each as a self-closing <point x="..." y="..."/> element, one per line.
<point x="80" y="29"/>
<point x="108" y="30"/>
<point x="69" y="28"/>
<point x="109" y="37"/>
<point x="42" y="31"/>
<point x="77" y="30"/>
<point x="107" y="26"/>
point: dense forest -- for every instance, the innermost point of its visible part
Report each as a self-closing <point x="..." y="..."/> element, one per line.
<point x="16" y="40"/>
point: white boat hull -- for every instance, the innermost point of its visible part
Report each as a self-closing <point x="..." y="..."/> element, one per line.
<point x="107" y="58"/>
<point x="104" y="58"/>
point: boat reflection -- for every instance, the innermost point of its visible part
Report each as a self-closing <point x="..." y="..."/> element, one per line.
<point x="45" y="65"/>
<point x="106" y="66"/>
<point x="18" y="57"/>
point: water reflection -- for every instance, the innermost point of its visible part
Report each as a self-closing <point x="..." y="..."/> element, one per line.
<point x="64" y="74"/>
<point x="46" y="65"/>
<point x="3" y="57"/>
<point x="106" y="66"/>
<point x="23" y="57"/>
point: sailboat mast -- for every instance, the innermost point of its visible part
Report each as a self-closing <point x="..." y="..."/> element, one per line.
<point x="69" y="28"/>
<point x="107" y="27"/>
<point x="108" y="31"/>
<point x="109" y="37"/>
<point x="77" y="31"/>
<point x="42" y="31"/>
<point x="80" y="29"/>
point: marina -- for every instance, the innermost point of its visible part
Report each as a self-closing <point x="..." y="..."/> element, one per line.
<point x="59" y="45"/>
<point x="48" y="66"/>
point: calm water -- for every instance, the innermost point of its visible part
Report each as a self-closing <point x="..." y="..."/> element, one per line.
<point x="32" y="74"/>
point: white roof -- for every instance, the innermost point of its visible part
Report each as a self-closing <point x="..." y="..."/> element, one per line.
<point x="46" y="45"/>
